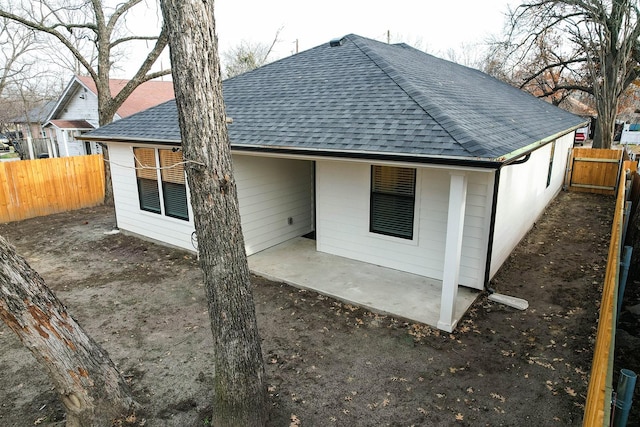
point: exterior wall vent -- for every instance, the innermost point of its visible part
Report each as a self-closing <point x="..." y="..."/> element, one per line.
<point x="337" y="42"/>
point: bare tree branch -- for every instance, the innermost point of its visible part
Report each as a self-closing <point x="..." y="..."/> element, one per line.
<point x="55" y="33"/>
<point x="247" y="56"/>
<point x="131" y="38"/>
<point x="595" y="52"/>
<point x="273" y="43"/>
<point x="141" y="75"/>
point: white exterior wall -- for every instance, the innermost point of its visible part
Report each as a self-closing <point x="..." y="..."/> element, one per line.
<point x="629" y="137"/>
<point x="523" y="195"/>
<point x="342" y="227"/>
<point x="69" y="146"/>
<point x="81" y="109"/>
<point x="130" y="217"/>
<point x="82" y="105"/>
<point x="269" y="192"/>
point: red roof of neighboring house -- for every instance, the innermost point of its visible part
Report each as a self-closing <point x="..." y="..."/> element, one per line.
<point x="71" y="124"/>
<point x="147" y="95"/>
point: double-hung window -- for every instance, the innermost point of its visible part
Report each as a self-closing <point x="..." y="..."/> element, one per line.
<point x="161" y="183"/>
<point x="392" y="201"/>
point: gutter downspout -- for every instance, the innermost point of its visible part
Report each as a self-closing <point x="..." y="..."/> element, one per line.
<point x="492" y="224"/>
<point x="492" y="229"/>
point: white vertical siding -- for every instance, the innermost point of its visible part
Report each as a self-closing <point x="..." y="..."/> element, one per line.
<point x="523" y="195"/>
<point x="269" y="191"/>
<point x="343" y="197"/>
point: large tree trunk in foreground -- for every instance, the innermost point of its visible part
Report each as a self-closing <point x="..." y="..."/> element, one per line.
<point x="239" y="387"/>
<point x="91" y="389"/>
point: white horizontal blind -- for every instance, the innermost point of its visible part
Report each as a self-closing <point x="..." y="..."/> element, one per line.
<point x="392" y="201"/>
<point x="172" y="166"/>
<point x="174" y="189"/>
<point x="147" y="177"/>
<point x="145" y="159"/>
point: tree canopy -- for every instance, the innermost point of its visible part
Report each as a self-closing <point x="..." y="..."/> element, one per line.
<point x="246" y="56"/>
<point x="556" y="47"/>
<point x="95" y="33"/>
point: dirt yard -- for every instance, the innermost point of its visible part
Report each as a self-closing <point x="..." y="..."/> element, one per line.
<point x="328" y="363"/>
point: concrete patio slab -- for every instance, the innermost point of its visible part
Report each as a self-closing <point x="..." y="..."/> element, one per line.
<point x="383" y="290"/>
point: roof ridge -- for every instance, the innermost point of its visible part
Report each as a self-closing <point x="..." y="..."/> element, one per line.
<point x="459" y="134"/>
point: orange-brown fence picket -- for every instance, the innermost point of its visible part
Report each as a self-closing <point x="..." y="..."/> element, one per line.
<point x="598" y="404"/>
<point x="594" y="170"/>
<point x="31" y="188"/>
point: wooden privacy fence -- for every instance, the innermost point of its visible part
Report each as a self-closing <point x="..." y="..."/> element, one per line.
<point x="599" y="395"/>
<point x="594" y="170"/>
<point x="31" y="188"/>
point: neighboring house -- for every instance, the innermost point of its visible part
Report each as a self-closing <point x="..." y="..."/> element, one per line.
<point x="391" y="156"/>
<point x="76" y="112"/>
<point x="31" y="138"/>
<point x="31" y="124"/>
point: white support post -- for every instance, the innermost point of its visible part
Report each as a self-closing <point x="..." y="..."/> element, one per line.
<point x="54" y="146"/>
<point x="49" y="147"/>
<point x="65" y="141"/>
<point x="453" y="250"/>
<point x="30" y="147"/>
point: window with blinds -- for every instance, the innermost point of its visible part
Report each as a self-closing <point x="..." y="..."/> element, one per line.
<point x="392" y="201"/>
<point x="167" y="185"/>
<point x="174" y="190"/>
<point x="147" y="177"/>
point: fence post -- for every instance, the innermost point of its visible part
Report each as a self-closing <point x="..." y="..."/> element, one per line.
<point x="625" y="221"/>
<point x="624" y="274"/>
<point x="624" y="397"/>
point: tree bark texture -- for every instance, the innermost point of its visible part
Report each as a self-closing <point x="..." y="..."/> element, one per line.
<point x="108" y="184"/>
<point x="91" y="389"/>
<point x="239" y="378"/>
<point x="609" y="42"/>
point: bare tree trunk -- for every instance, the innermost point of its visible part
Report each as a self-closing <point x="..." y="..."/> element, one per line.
<point x="239" y="385"/>
<point x="607" y="87"/>
<point x="108" y="185"/>
<point x="107" y="109"/>
<point x="91" y="389"/>
<point x="594" y="48"/>
<point x="605" y="127"/>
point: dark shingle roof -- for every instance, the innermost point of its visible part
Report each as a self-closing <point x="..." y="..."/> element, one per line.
<point x="365" y="96"/>
<point x="38" y="114"/>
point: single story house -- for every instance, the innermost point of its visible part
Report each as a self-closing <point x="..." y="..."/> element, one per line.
<point x="32" y="121"/>
<point x="76" y="111"/>
<point x="389" y="155"/>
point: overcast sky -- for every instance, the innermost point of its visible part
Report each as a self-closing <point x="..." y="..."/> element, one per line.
<point x="433" y="26"/>
<point x="438" y="25"/>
